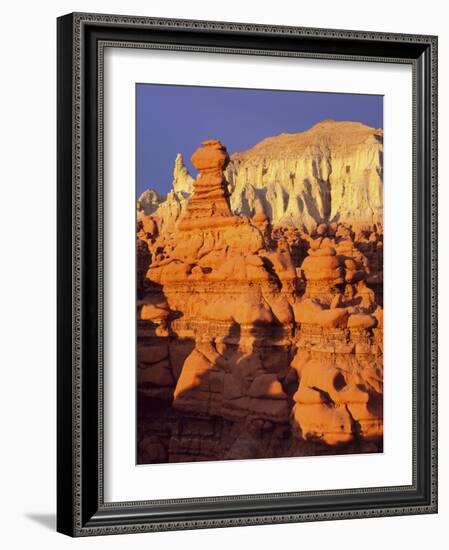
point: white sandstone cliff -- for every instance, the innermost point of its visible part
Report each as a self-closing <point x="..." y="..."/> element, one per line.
<point x="332" y="172"/>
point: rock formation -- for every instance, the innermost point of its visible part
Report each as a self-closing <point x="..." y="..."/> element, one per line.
<point x="182" y="180"/>
<point x="209" y="203"/>
<point x="332" y="172"/>
<point x="149" y="201"/>
<point x="168" y="209"/>
<point x="255" y="339"/>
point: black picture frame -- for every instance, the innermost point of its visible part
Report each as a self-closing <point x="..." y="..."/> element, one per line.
<point x="81" y="509"/>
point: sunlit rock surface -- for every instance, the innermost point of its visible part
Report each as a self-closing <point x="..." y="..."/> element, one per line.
<point x="332" y="172"/>
<point x="260" y="335"/>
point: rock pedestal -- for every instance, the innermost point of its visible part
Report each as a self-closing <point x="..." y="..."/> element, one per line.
<point x="210" y="198"/>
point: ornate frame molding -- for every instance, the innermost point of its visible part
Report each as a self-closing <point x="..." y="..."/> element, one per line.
<point x="81" y="508"/>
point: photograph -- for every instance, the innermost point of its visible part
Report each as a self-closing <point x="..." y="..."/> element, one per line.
<point x="259" y="273"/>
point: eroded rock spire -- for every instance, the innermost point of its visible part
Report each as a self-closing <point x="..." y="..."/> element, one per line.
<point x="210" y="197"/>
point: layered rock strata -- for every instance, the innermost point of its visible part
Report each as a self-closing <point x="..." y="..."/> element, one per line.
<point x="331" y="173"/>
<point x="253" y="340"/>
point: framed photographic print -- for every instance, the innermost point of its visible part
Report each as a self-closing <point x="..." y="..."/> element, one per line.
<point x="247" y="282"/>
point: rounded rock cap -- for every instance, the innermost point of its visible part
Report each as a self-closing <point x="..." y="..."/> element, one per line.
<point x="212" y="155"/>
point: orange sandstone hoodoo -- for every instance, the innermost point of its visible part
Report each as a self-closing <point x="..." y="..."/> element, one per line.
<point x="210" y="199"/>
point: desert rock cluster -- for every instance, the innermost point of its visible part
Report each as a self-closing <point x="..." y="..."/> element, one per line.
<point x="257" y="337"/>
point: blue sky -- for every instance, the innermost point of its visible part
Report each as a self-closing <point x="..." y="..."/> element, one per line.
<point x="176" y="119"/>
